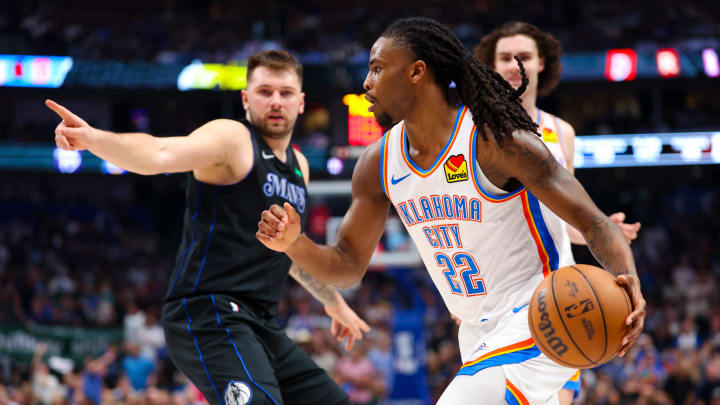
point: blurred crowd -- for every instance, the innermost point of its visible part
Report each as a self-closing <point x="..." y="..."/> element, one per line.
<point x="68" y="257"/>
<point x="328" y="34"/>
<point x="322" y="31"/>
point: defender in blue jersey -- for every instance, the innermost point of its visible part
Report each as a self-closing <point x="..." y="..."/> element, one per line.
<point x="219" y="312"/>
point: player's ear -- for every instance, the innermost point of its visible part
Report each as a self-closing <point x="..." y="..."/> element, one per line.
<point x="245" y="99"/>
<point x="541" y="65"/>
<point x="417" y="71"/>
<point x="301" y="108"/>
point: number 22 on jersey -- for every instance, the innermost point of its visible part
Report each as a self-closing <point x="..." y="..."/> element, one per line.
<point x="461" y="273"/>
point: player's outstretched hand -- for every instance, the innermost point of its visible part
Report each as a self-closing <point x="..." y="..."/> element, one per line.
<point x="636" y="319"/>
<point x="630" y="231"/>
<point x="278" y="227"/>
<point x="72" y="133"/>
<point x="346" y="324"/>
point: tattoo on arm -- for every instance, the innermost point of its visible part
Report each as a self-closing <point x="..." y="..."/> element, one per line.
<point x="538" y="166"/>
<point x="604" y="241"/>
<point x="324" y="293"/>
<point x="526" y="158"/>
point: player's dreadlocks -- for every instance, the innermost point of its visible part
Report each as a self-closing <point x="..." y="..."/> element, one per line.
<point x="490" y="98"/>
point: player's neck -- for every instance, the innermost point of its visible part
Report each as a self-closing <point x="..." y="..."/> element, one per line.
<point x="429" y="124"/>
<point x="529" y="103"/>
<point x="278" y="145"/>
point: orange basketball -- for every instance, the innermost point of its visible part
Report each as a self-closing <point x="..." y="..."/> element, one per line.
<point x="577" y="316"/>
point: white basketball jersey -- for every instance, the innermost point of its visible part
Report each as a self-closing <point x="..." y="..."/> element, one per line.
<point x="552" y="136"/>
<point x="486" y="250"/>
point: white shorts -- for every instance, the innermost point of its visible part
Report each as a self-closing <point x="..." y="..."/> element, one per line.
<point x="530" y="377"/>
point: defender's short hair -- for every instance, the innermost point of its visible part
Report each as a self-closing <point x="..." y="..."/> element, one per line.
<point x="275" y="60"/>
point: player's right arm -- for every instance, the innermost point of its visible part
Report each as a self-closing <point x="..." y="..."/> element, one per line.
<point x="344" y="263"/>
<point x="208" y="147"/>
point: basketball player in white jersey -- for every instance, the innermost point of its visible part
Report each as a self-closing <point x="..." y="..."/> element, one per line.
<point x="468" y="181"/>
<point x="540" y="55"/>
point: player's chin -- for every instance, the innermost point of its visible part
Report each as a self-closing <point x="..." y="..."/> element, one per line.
<point x="276" y="129"/>
<point x="383" y="118"/>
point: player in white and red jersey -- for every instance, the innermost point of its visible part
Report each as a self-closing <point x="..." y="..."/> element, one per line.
<point x="467" y="181"/>
<point x="540" y="54"/>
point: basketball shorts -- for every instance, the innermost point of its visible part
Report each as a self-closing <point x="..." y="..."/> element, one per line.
<point x="527" y="377"/>
<point x="236" y="354"/>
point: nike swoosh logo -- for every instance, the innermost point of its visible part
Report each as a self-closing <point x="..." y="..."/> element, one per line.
<point x="518" y="309"/>
<point x="395" y="181"/>
<point x="270" y="156"/>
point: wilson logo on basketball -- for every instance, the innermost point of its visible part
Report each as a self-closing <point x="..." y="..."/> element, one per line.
<point x="546" y="327"/>
<point x="456" y="169"/>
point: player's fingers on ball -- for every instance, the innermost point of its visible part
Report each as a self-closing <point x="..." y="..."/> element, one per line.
<point x="630" y="339"/>
<point x="637" y="314"/>
<point x="626" y="346"/>
<point x="628" y="282"/>
<point x="622" y="351"/>
<point x="634" y="332"/>
<point x="623" y="282"/>
<point x="639" y="310"/>
<point x="638" y="307"/>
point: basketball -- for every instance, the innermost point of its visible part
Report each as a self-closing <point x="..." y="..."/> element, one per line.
<point x="577" y="316"/>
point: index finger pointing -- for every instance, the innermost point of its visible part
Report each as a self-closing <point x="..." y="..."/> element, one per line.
<point x="64" y="113"/>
